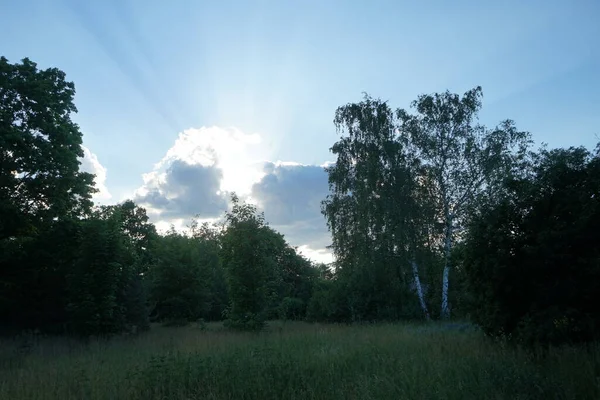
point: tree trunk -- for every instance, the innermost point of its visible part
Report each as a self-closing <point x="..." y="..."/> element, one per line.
<point x="445" y="312"/>
<point x="415" y="270"/>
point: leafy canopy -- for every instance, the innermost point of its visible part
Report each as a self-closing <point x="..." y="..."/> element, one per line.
<point x="39" y="149"/>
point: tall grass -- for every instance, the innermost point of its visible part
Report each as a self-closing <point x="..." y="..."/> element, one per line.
<point x="295" y="361"/>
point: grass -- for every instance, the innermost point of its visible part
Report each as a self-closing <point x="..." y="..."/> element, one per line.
<point x="295" y="361"/>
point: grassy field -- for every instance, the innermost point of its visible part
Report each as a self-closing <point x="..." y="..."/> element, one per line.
<point x="295" y="361"/>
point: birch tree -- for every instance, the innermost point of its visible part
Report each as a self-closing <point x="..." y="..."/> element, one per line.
<point x="461" y="160"/>
<point x="371" y="209"/>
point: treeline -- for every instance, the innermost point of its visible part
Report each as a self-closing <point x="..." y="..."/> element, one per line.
<point x="110" y="272"/>
<point x="67" y="266"/>
<point x="432" y="215"/>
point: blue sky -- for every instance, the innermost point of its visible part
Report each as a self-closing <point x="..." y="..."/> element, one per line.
<point x="164" y="89"/>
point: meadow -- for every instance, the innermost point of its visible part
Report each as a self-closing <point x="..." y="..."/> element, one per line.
<point x="295" y="361"/>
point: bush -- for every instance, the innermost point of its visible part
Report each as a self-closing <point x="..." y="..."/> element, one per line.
<point x="292" y="308"/>
<point x="327" y="303"/>
<point x="532" y="261"/>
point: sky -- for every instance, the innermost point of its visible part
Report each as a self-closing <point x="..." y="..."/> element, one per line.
<point x="183" y="102"/>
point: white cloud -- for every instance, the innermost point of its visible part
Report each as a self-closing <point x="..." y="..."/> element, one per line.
<point x="291" y="192"/>
<point x="319" y="255"/>
<point x="229" y="149"/>
<point x="180" y="225"/>
<point x="183" y="190"/>
<point x="290" y="195"/>
<point x="198" y="172"/>
<point x="90" y="163"/>
<point x="204" y="165"/>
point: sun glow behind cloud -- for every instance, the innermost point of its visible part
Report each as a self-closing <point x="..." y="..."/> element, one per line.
<point x="319" y="255"/>
<point x="204" y="165"/>
<point x="232" y="151"/>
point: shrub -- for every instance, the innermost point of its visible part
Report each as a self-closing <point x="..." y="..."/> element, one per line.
<point x="532" y="261"/>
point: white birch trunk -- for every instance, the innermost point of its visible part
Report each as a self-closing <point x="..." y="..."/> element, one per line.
<point x="445" y="284"/>
<point x="415" y="270"/>
<point x="445" y="312"/>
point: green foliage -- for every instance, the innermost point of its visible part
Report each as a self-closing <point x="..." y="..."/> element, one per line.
<point x="133" y="222"/>
<point x="180" y="286"/>
<point x="401" y="189"/>
<point x="370" y="211"/>
<point x="328" y="303"/>
<point x="141" y="241"/>
<point x="460" y="162"/>
<point x="60" y="272"/>
<point x="292" y="308"/>
<point x="246" y="258"/>
<point x="134" y="297"/>
<point x="262" y="271"/>
<point x="34" y="273"/>
<point x="208" y="238"/>
<point x="93" y="283"/>
<point x="531" y="258"/>
<point x="296" y="279"/>
<point x="39" y="149"/>
<point x="79" y="276"/>
<point x="41" y="192"/>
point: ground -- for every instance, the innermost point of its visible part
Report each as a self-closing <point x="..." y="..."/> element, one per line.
<point x="295" y="361"/>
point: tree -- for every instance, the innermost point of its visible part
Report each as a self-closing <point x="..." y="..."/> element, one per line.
<point x="134" y="223"/>
<point x="77" y="276"/>
<point x="96" y="278"/>
<point x="141" y="241"/>
<point x="208" y="238"/>
<point x="180" y="287"/>
<point x="42" y="194"/>
<point x="461" y="160"/>
<point x="248" y="265"/>
<point x="298" y="278"/>
<point x="531" y="257"/>
<point x="371" y="212"/>
<point x="33" y="277"/>
<point x="39" y="150"/>
<point x="328" y="301"/>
